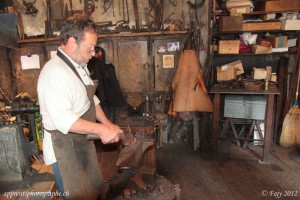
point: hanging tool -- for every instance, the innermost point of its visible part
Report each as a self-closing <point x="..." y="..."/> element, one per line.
<point x="48" y="25"/>
<point x="30" y="9"/>
<point x="127" y="11"/>
<point x="71" y="6"/>
<point x="136" y="15"/>
<point x="66" y="11"/>
<point x="173" y="2"/>
<point x="90" y="7"/>
<point x="106" y="5"/>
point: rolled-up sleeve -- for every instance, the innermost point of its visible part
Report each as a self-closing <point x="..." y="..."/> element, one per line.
<point x="96" y="100"/>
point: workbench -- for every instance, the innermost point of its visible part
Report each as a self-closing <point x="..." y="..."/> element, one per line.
<point x="219" y="92"/>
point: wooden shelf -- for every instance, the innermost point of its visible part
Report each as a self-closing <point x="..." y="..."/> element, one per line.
<point x="251" y="54"/>
<point x="108" y="35"/>
<point x="268" y="12"/>
<point x="254" y="31"/>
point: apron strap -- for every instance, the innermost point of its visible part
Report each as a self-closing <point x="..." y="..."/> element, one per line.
<point x="68" y="62"/>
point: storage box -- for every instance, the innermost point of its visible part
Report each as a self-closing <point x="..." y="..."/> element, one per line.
<point x="229" y="46"/>
<point x="237" y="65"/>
<point x="258" y="49"/>
<point x="245" y="106"/>
<point x="290" y="24"/>
<point x="236" y="3"/>
<point x="264" y="43"/>
<point x="259" y="73"/>
<point x="273" y="77"/>
<point x="292" y="42"/>
<point x="226" y="73"/>
<point x="239" y="10"/>
<point x="279" y="5"/>
<point x="230" y="23"/>
<point x="277" y="41"/>
<point x="261" y="26"/>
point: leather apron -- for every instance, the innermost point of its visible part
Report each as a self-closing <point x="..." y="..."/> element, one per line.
<point x="76" y="157"/>
<point x="189" y="90"/>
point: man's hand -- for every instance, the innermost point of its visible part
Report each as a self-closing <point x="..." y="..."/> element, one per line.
<point x="111" y="133"/>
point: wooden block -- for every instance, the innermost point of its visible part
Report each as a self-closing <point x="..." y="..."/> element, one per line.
<point x="261" y="26"/>
<point x="229" y="46"/>
<point x="230" y="23"/>
<point x="258" y="49"/>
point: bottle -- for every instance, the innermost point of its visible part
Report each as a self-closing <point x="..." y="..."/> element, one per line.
<point x="266" y="85"/>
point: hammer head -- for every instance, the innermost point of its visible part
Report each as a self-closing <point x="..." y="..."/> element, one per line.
<point x="127" y="137"/>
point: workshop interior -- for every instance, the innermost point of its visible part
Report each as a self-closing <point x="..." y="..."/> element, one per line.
<point x="219" y="76"/>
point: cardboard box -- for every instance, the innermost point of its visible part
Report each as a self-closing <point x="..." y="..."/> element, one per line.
<point x="259" y="73"/>
<point x="233" y="4"/>
<point x="237" y="65"/>
<point x="277" y="41"/>
<point x="290" y="24"/>
<point x="230" y="23"/>
<point x="239" y="10"/>
<point x="229" y="46"/>
<point x="273" y="77"/>
<point x="226" y="73"/>
<point x="261" y="26"/>
<point x="292" y="42"/>
<point x="258" y="49"/>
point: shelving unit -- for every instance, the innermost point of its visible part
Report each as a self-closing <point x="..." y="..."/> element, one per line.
<point x="217" y="35"/>
<point x="280" y="62"/>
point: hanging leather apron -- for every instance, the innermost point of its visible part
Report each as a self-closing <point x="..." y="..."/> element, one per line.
<point x="76" y="157"/>
<point x="189" y="91"/>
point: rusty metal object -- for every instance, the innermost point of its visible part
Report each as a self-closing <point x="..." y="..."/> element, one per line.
<point x="131" y="155"/>
<point x="137" y="177"/>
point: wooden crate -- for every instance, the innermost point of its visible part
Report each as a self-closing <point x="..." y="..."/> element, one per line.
<point x="279" y="5"/>
<point x="261" y="26"/>
<point x="230" y="23"/>
<point x="239" y="10"/>
<point x="229" y="46"/>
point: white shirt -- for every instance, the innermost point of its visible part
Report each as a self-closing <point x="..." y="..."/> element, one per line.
<point x="62" y="98"/>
